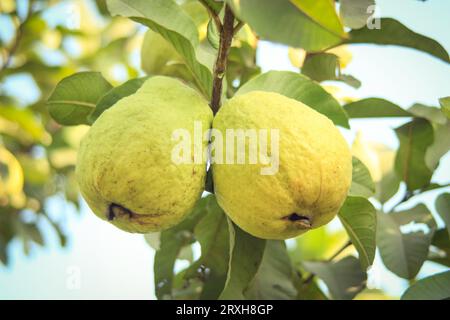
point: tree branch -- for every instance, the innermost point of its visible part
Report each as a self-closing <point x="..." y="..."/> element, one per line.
<point x="226" y="37"/>
<point x="9" y="53"/>
<point x="213" y="15"/>
<point x="238" y="26"/>
<point x="338" y="252"/>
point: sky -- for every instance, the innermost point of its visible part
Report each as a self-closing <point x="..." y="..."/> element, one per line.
<point x="102" y="262"/>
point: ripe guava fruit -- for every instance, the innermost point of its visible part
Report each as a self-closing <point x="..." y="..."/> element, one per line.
<point x="313" y="176"/>
<point x="125" y="168"/>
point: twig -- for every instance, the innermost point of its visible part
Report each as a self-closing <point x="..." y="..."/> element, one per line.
<point x="338" y="252"/>
<point x="213" y="15"/>
<point x="18" y="37"/>
<point x="238" y="27"/>
<point x="226" y="37"/>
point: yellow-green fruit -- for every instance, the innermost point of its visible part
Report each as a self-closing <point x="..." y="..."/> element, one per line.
<point x="159" y="57"/>
<point x="313" y="176"/>
<point x="125" y="168"/>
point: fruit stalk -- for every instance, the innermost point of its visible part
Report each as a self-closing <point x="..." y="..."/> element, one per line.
<point x="226" y="37"/>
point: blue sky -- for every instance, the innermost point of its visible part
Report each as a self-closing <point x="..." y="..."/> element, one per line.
<point x="113" y="264"/>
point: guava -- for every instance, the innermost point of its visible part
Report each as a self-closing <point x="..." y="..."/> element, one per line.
<point x="159" y="57"/>
<point x="125" y="168"/>
<point x="313" y="176"/>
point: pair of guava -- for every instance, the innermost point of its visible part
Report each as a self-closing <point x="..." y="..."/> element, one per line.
<point x="128" y="176"/>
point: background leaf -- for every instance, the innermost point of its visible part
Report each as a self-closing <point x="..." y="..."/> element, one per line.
<point x="432" y="114"/>
<point x="441" y="242"/>
<point x="445" y="105"/>
<point x="298" y="87"/>
<point x="439" y="147"/>
<point x="404" y="252"/>
<point x="435" y="287"/>
<point x="355" y="13"/>
<point x="274" y="279"/>
<point x="325" y="66"/>
<point x="343" y="278"/>
<point x="443" y="208"/>
<point x="415" y="137"/>
<point x="379" y="160"/>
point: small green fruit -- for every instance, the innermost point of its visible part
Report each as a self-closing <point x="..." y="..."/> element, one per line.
<point x="125" y="168"/>
<point x="313" y="177"/>
<point x="158" y="57"/>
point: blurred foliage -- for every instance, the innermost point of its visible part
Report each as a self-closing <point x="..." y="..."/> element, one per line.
<point x="95" y="51"/>
<point x="37" y="155"/>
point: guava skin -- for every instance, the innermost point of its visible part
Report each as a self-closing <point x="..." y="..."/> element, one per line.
<point x="315" y="168"/>
<point x="124" y="166"/>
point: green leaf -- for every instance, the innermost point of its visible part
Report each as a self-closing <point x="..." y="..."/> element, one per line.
<point x="374" y="108"/>
<point x="274" y="279"/>
<point x="393" y="32"/>
<point x="355" y="13"/>
<point x="404" y="252"/>
<point x="246" y="254"/>
<point x="213" y="34"/>
<point x="388" y="186"/>
<point x="445" y="105"/>
<point x="214" y="5"/>
<point x="76" y="96"/>
<point x="325" y="66"/>
<point x="359" y="218"/>
<point x="443" y="208"/>
<point x="313" y="27"/>
<point x="415" y="137"/>
<point x="441" y="242"/>
<point x="362" y="183"/>
<point x="309" y="291"/>
<point x="440" y="146"/>
<point x="153" y="239"/>
<point x="432" y="114"/>
<point x="317" y="244"/>
<point x="114" y="95"/>
<point x="349" y="80"/>
<point x="171" y="243"/>
<point x="323" y="13"/>
<point x="434" y="186"/>
<point x="380" y="160"/>
<point x="435" y="287"/>
<point x="212" y="266"/>
<point x="173" y="24"/>
<point x="320" y="66"/>
<point x="301" y="88"/>
<point x="3" y="252"/>
<point x="343" y="278"/>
